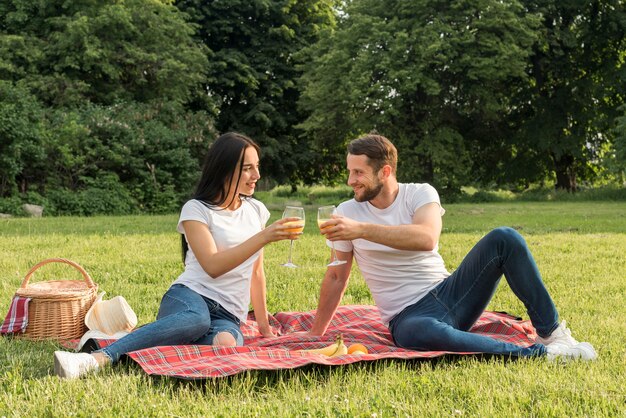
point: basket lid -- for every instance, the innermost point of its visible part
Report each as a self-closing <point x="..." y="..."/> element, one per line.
<point x="67" y="288"/>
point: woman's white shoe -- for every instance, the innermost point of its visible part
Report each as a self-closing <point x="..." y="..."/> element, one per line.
<point x="73" y="365"/>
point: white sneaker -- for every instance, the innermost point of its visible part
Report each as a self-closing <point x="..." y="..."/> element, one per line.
<point x="73" y="365"/>
<point x="561" y="335"/>
<point x="580" y="351"/>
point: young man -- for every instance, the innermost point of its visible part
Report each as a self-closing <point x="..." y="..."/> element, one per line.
<point x="392" y="230"/>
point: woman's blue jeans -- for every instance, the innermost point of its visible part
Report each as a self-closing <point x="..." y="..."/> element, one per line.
<point x="185" y="317"/>
<point x="441" y="320"/>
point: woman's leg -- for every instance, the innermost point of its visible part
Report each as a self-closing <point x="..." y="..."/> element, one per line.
<point x="225" y="328"/>
<point x="467" y="292"/>
<point x="183" y="318"/>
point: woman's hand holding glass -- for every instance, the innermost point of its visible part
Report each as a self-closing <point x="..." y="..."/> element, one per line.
<point x="282" y="229"/>
<point x="295" y="226"/>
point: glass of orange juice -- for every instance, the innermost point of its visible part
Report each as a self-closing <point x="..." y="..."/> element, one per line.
<point x="324" y="214"/>
<point x="294" y="227"/>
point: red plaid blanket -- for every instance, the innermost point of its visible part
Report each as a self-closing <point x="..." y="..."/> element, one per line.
<point x="17" y="318"/>
<point x="357" y="323"/>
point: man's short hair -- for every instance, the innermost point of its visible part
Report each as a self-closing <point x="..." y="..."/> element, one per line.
<point x="378" y="149"/>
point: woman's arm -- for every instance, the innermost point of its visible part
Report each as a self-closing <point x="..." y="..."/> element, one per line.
<point x="217" y="263"/>
<point x="258" y="298"/>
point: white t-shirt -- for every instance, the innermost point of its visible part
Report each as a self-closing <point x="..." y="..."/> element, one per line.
<point x="229" y="229"/>
<point x="396" y="278"/>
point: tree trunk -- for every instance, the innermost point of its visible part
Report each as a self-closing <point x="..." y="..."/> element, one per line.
<point x="565" y="173"/>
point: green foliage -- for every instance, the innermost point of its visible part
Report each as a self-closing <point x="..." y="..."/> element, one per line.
<point x="481" y="92"/>
<point x="566" y="113"/>
<point x="21" y="137"/>
<point x="100" y="51"/>
<point x="151" y="151"/>
<point x="104" y="196"/>
<point x="11" y="206"/>
<point x="93" y="98"/>
<point x="432" y="76"/>
<point x="544" y="194"/>
<point x="252" y="73"/>
<point x="113" y="159"/>
<point x="619" y="159"/>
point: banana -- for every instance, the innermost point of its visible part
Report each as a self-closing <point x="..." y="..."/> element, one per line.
<point x="335" y="349"/>
<point x="342" y="349"/>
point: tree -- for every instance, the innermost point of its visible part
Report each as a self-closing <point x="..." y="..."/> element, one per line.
<point x="93" y="98"/>
<point x="252" y="72"/>
<point x="104" y="52"/>
<point x="577" y="70"/>
<point x="22" y="136"/>
<point x="620" y="144"/>
<point x="434" y="76"/>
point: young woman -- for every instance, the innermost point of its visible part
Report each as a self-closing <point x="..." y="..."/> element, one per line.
<point x="224" y="234"/>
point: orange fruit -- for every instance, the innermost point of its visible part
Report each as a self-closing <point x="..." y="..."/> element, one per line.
<point x="357" y="347"/>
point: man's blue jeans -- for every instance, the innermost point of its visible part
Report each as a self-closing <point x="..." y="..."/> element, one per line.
<point x="185" y="317"/>
<point x="441" y="319"/>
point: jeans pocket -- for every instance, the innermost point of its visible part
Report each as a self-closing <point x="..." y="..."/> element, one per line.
<point x="213" y="306"/>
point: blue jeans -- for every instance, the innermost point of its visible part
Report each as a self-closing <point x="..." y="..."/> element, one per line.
<point x="441" y="319"/>
<point x="185" y="317"/>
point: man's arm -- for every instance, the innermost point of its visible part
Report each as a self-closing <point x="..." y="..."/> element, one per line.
<point x="333" y="286"/>
<point x="421" y="235"/>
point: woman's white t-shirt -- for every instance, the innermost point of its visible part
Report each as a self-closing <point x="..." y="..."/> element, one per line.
<point x="396" y="278"/>
<point x="229" y="229"/>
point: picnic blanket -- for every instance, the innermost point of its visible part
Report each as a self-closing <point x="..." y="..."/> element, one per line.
<point x="356" y="323"/>
<point x="16" y="319"/>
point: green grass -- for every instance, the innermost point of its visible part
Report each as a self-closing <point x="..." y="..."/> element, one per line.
<point x="579" y="248"/>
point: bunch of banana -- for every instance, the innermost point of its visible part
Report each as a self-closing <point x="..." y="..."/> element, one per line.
<point x="338" y="348"/>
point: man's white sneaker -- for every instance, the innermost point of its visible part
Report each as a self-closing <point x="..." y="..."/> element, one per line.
<point x="561" y="335"/>
<point x="73" y="365"/>
<point x="581" y="351"/>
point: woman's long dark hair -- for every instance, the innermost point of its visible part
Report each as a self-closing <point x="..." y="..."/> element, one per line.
<point x="223" y="162"/>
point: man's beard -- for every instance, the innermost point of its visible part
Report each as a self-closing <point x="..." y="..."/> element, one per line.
<point x="369" y="193"/>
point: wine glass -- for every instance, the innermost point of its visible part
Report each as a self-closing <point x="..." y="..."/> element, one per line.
<point x="296" y="227"/>
<point x="324" y="213"/>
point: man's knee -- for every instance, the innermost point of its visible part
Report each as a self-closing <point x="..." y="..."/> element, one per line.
<point x="506" y="235"/>
<point x="415" y="332"/>
<point x="224" y="339"/>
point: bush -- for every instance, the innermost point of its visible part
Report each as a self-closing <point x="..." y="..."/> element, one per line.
<point x="107" y="196"/>
<point x="11" y="206"/>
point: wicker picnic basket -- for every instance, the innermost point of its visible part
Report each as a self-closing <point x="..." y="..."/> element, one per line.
<point x="57" y="308"/>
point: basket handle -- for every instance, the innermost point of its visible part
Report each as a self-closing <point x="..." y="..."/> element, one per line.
<point x="88" y="279"/>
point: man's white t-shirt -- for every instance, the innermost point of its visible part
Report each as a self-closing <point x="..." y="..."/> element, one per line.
<point x="396" y="278"/>
<point x="229" y="229"/>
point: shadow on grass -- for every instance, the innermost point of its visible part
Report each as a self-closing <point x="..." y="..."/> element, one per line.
<point x="314" y="374"/>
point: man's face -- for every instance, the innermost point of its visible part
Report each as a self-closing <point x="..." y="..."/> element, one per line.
<point x="362" y="179"/>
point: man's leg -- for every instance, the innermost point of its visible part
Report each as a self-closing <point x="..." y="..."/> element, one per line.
<point x="413" y="331"/>
<point x="467" y="292"/>
<point x="442" y="318"/>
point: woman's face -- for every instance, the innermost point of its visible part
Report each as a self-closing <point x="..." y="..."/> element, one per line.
<point x="249" y="173"/>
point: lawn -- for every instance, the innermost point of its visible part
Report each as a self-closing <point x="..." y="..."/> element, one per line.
<point x="579" y="247"/>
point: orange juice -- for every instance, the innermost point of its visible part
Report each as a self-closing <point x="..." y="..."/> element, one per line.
<point x="320" y="222"/>
<point x="295" y="226"/>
